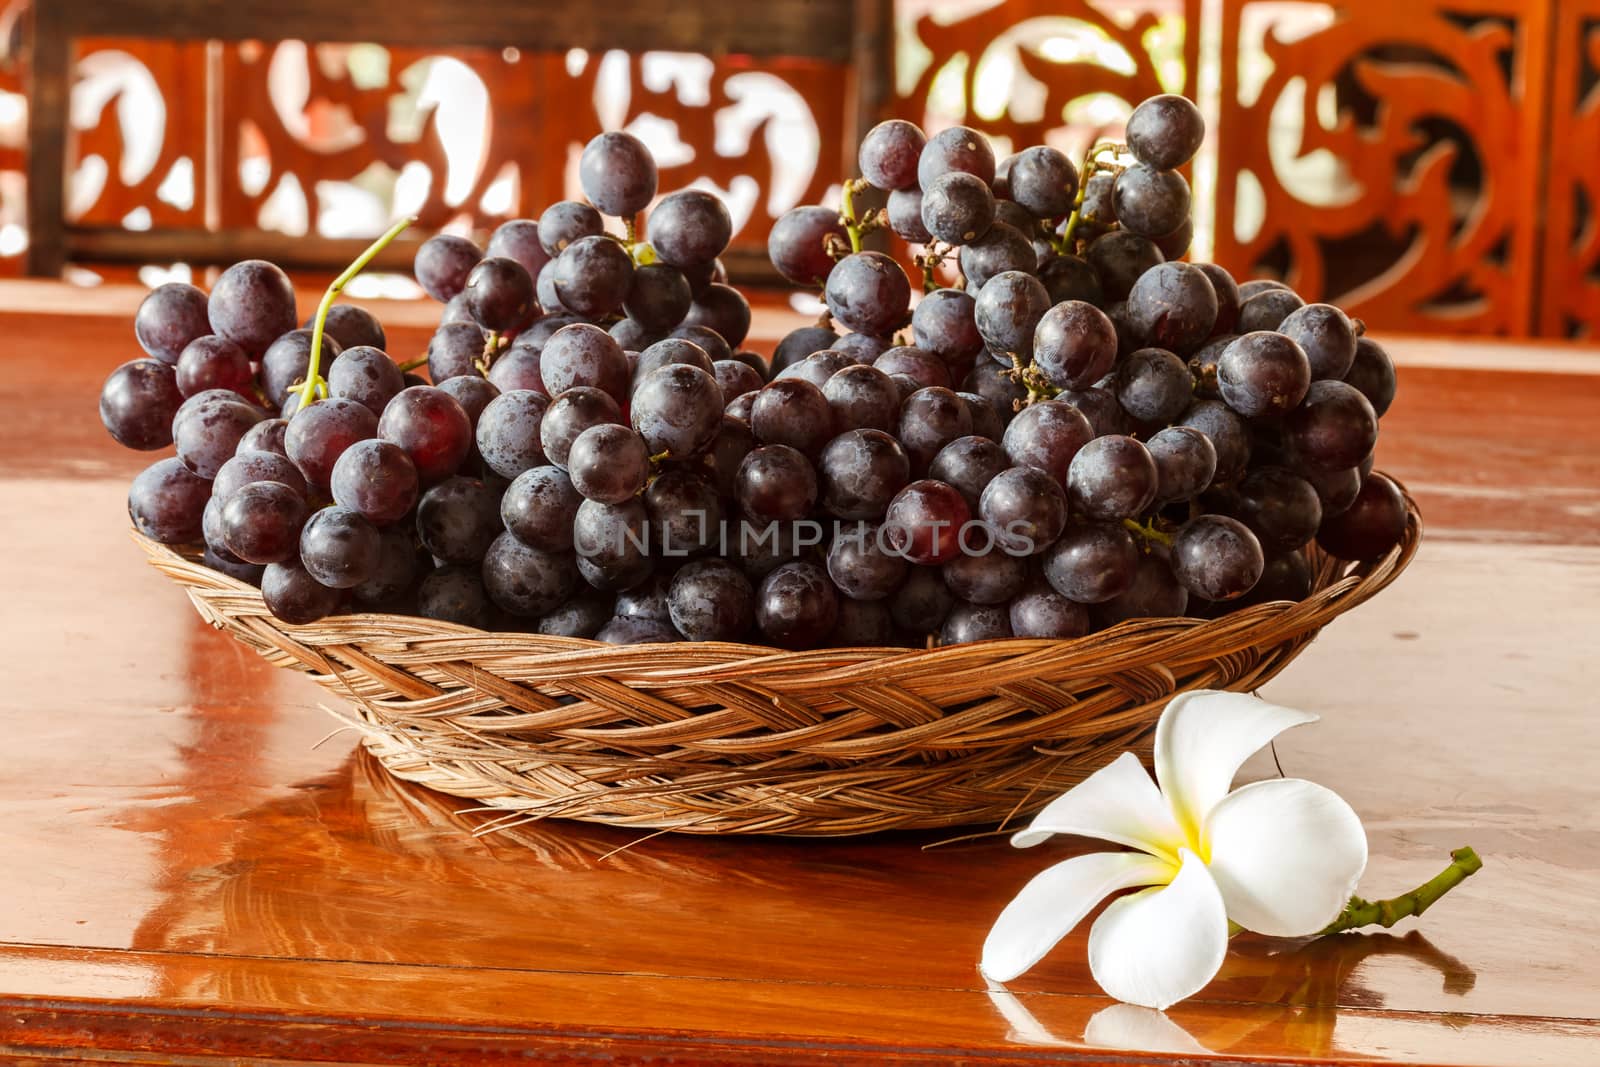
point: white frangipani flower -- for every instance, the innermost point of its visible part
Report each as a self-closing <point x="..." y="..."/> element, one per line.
<point x="1280" y="857"/>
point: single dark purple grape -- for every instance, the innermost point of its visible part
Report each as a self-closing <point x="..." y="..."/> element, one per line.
<point x="339" y="548"/>
<point x="1226" y="290"/>
<point x="593" y="276"/>
<point x="861" y="471"/>
<point x="776" y="483"/>
<point x="993" y="577"/>
<point x="474" y="395"/>
<point x="1216" y="557"/>
<point x="865" y="347"/>
<point x="584" y="355"/>
<point x="942" y="323"/>
<point x="265" y="436"/>
<point x="1047" y="436"/>
<point x="583" y="616"/>
<point x="170" y="318"/>
<point x="566" y="222"/>
<point x="701" y="275"/>
<point x="712" y="600"/>
<point x="284" y="363"/>
<point x="740" y="407"/>
<point x="457" y="519"/>
<point x="648" y="600"/>
<point x="518" y="239"/>
<point x="685" y="512"/>
<point x="1370" y="526"/>
<point x="734" y="442"/>
<point x="1008" y="310"/>
<point x="608" y="463"/>
<point x="247" y="467"/>
<point x="672" y="351"/>
<point x="1176" y="244"/>
<point x="724" y="309"/>
<point x="318" y="436"/>
<point x="796" y="606"/>
<point x="759" y="548"/>
<point x="539" y="508"/>
<point x="957" y="207"/>
<point x="912" y="369"/>
<point x="455" y="350"/>
<point x="213" y="362"/>
<point x="629" y="631"/>
<point x="139" y="404"/>
<point x="1326" y="335"/>
<point x="798" y="243"/>
<point x="1072" y="278"/>
<point x="499" y="294"/>
<point x="967" y="623"/>
<point x="1263" y="373"/>
<point x="618" y="174"/>
<point x="905" y="217"/>
<point x="375" y="479"/>
<point x="249" y="573"/>
<point x="251" y="304"/>
<point x="611" y="541"/>
<point x="294" y="596"/>
<point x="820" y="367"/>
<point x="677" y="410"/>
<point x="1101" y="407"/>
<point x="1004" y="393"/>
<point x="889" y="154"/>
<point x="956" y="148"/>
<point x="1150" y="202"/>
<point x="1092" y="563"/>
<point x="689" y="227"/>
<point x="535" y="337"/>
<point x="519" y="367"/>
<point x="167" y="502"/>
<point x="1043" y="181"/>
<point x="544" y="291"/>
<point x="1256" y="286"/>
<point x="208" y="436"/>
<point x="367" y="376"/>
<point x="454" y="593"/>
<point x="631" y="335"/>
<point x="1165" y="131"/>
<point x="432" y="427"/>
<point x="863" y="397"/>
<point x="1154" y="386"/>
<point x="569" y="415"/>
<point x="709" y="341"/>
<point x="261" y="522"/>
<point x="1121" y="258"/>
<point x="1186" y="462"/>
<point x="1268" y="309"/>
<point x="735" y="378"/>
<point x="1074" y="344"/>
<point x="792" y="411"/>
<point x="986" y="421"/>
<point x="1334" y="428"/>
<point x="442" y="264"/>
<point x="1228" y="434"/>
<point x="925" y="521"/>
<point x="1018" y="217"/>
<point x="658" y="297"/>
<point x="861" y="563"/>
<point x="1112" y="478"/>
<point x="799" y="343"/>
<point x="968" y="465"/>
<point x="931" y="418"/>
<point x="1281" y="508"/>
<point x="1025" y="509"/>
<point x="455" y="310"/>
<point x="1041" y="612"/>
<point x="1372" y="373"/>
<point x="1336" y="490"/>
<point x="922" y="602"/>
<point x="1155" y="593"/>
<point x="869" y="293"/>
<point x="999" y="250"/>
<point x="525" y="581"/>
<point x="1121" y="316"/>
<point x="508" y="432"/>
<point x="1173" y="306"/>
<point x="863" y="624"/>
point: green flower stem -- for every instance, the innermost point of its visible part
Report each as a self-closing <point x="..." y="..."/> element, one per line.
<point x="1464" y="863"/>
<point x="313" y="380"/>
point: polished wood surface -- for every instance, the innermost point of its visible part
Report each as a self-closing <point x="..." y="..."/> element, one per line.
<point x="196" y="871"/>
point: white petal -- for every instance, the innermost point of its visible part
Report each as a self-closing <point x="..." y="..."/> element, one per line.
<point x="1157" y="947"/>
<point x="1202" y="739"/>
<point x="1142" y="1029"/>
<point x="1055" y="901"/>
<point x="1286" y="855"/>
<point x="1117" y="803"/>
<point x="1025" y="1028"/>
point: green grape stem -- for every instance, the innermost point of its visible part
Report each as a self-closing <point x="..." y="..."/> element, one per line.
<point x="1091" y="164"/>
<point x="1464" y="863"/>
<point x="314" y="383"/>
<point x="420" y="361"/>
<point x="1148" y="531"/>
<point x="847" y="212"/>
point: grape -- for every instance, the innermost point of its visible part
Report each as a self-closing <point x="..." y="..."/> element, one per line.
<point x="957" y="207"/>
<point x="796" y="606"/>
<point x="524" y="581"/>
<point x="582" y="616"/>
<point x="672" y="351"/>
<point x="209" y="435"/>
<point x="647" y="600"/>
<point x="868" y="292"/>
<point x="1017" y="217"/>
<point x="1121" y="258"/>
<point x="1112" y="478"/>
<point x="1165" y="131"/>
<point x="925" y="520"/>
<point x="636" y="632"/>
<point x="712" y="601"/>
<point x="1372" y="373"/>
<point x="473" y="394"/>
<point x="861" y="472"/>
<point x="1092" y="563"/>
<point x="1175" y="244"/>
<point x="539" y="508"/>
<point x="1150" y="202"/>
<point x="339" y="548"/>
<point x="169" y="319"/>
<point x="735" y="378"/>
<point x="167" y="502"/>
<point x="248" y="573"/>
<point x="318" y="436"/>
<point x="740" y="407"/>
<point x="593" y="275"/>
<point x="678" y="410"/>
<point x="1154" y="386"/>
<point x="518" y="239"/>
<point x="535" y="337"/>
<point x="618" y="174"/>
<point x="685" y="512"/>
<point x="863" y="624"/>
<point x="571" y="413"/>
<point x="889" y="155"/>
<point x="800" y="343"/>
<point x="610" y="540"/>
<point x="922" y="601"/>
<point x="1334" y="429"/>
<point x="1258" y="285"/>
<point x="1025" y="508"/>
<point x="566" y="222"/>
<point x="658" y="297"/>
<point x="968" y="464"/>
<point x="1370" y="526"/>
<point x="442" y="264"/>
<point x="942" y="323"/>
<point x="375" y="479"/>
<point x="1047" y="435"/>
<point x="1203" y="365"/>
<point x="544" y="291"/>
<point x="247" y="467"/>
<point x="1100" y="407"/>
<point x="265" y="436"/>
<point x="631" y="335"/>
<point x="454" y="351"/>
<point x="734" y="442"/>
<point x="992" y="383"/>
<point x="139" y="404"/>
<point x="1186" y="461"/>
<point x="1154" y="593"/>
<point x="509" y="430"/>
<point x="293" y="596"/>
<point x="912" y="369"/>
<point x="865" y="347"/>
<point x="689" y="227"/>
<point x="608" y="463"/>
<point x="755" y="361"/>
<point x="261" y="522"/>
<point x="992" y="578"/>
<point x="1226" y="290"/>
<point x="1098" y="212"/>
<point x="1121" y="316"/>
<point x="1216" y="558"/>
<point x="1267" y="310"/>
<point x="797" y="244"/>
<point x="1074" y="344"/>
<point x="284" y="363"/>
<point x="958" y="148"/>
<point x="499" y="294"/>
<point x="457" y="519"/>
<point x="762" y="548"/>
<point x="1228" y="435"/>
<point x="986" y="421"/>
<point x="584" y="355"/>
<point x="1008" y="310"/>
<point x="1002" y="248"/>
<point x="905" y="217"/>
<point x="863" y="397"/>
<point x="1071" y="278"/>
<point x="975" y="622"/>
<point x="455" y="594"/>
<point x="1173" y="306"/>
<point x="1043" y="181"/>
<point x="432" y="427"/>
<point x="776" y="483"/>
<point x="932" y="418"/>
<point x="1326" y="335"/>
<point x="1042" y="612"/>
<point x="860" y="565"/>
<point x="706" y="339"/>
<point x="1281" y="508"/>
<point x="366" y="375"/>
<point x="1263" y="373"/>
<point x="455" y="310"/>
<point x="791" y="411"/>
<point x="211" y="362"/>
<point x="1336" y="490"/>
<point x="721" y="308"/>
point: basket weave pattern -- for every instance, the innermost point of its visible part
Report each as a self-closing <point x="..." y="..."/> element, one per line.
<point x="728" y="738"/>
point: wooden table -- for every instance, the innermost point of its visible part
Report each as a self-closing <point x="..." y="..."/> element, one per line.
<point x="195" y="872"/>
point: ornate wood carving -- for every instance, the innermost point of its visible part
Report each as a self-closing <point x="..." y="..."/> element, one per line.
<point x="1569" y="289"/>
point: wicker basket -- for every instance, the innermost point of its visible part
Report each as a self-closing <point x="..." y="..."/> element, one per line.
<point x="726" y="738"/>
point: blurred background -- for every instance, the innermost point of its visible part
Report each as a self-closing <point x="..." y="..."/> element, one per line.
<point x="1433" y="167"/>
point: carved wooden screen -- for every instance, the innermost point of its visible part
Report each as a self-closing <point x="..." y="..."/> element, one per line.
<point x="1569" y="286"/>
